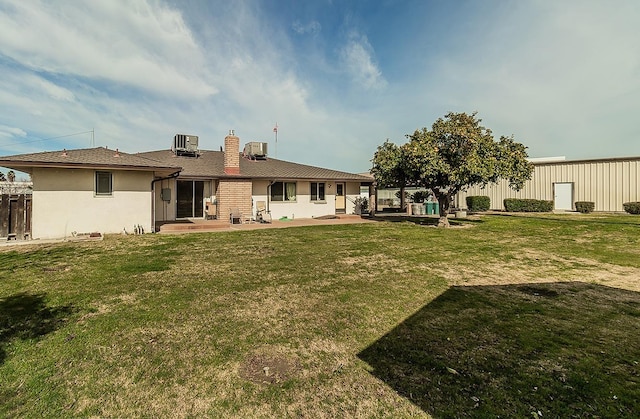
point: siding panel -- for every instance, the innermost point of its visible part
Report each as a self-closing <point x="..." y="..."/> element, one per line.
<point x="608" y="183"/>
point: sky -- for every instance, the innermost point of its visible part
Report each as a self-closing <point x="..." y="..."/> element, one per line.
<point x="338" y="77"/>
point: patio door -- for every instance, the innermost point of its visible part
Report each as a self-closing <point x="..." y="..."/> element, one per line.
<point x="190" y="197"/>
<point x="341" y="203"/>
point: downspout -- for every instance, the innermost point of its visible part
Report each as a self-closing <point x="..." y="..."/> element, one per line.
<point x="269" y="195"/>
<point x="153" y="197"/>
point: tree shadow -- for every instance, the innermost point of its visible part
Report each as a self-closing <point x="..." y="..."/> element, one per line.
<point x="545" y="349"/>
<point x="618" y="219"/>
<point x="422" y="220"/>
<point x="27" y="316"/>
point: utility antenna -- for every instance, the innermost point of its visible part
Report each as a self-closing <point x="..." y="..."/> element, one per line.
<point x="93" y="138"/>
<point x="275" y="130"/>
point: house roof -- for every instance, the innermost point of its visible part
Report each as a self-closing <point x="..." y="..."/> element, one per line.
<point x="99" y="157"/>
<point x="210" y="164"/>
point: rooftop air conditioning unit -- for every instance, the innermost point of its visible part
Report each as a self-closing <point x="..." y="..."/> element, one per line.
<point x="256" y="150"/>
<point x="185" y="145"/>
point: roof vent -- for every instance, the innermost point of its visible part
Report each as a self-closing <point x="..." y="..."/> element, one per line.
<point x="185" y="145"/>
<point x="255" y="150"/>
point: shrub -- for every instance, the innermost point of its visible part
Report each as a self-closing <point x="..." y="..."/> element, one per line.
<point x="527" y="205"/>
<point x="407" y="196"/>
<point x="585" y="207"/>
<point x="419" y="196"/>
<point x="361" y="205"/>
<point x="478" y="203"/>
<point x="632" y="207"/>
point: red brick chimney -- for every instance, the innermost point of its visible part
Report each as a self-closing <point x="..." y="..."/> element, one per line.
<point x="231" y="154"/>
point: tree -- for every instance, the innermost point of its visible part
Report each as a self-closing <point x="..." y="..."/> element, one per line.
<point x="389" y="168"/>
<point x="11" y="176"/>
<point x="2" y="178"/>
<point x="458" y="153"/>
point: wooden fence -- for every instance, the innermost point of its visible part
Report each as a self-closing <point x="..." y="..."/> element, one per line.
<point x="15" y="216"/>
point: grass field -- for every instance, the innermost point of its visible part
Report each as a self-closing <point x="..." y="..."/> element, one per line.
<point x="500" y="316"/>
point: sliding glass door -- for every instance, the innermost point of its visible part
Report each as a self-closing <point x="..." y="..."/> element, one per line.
<point x="190" y="195"/>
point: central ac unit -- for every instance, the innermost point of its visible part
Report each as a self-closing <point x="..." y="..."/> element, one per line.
<point x="185" y="144"/>
<point x="256" y="150"/>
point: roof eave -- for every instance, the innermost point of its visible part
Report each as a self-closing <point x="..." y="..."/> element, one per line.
<point x="24" y="165"/>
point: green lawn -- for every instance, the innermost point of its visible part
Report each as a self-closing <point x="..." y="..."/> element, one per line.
<point x="502" y="316"/>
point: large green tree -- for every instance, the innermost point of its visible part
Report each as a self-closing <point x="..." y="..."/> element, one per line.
<point x="456" y="153"/>
<point x="389" y="168"/>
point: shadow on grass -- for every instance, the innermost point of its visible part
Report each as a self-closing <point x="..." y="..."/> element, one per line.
<point x="550" y="349"/>
<point x="27" y="316"/>
<point x="422" y="220"/>
<point x="612" y="219"/>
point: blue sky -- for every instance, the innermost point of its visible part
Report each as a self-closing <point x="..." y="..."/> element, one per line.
<point x="338" y="77"/>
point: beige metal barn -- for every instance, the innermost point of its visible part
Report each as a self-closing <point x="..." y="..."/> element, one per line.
<point x="606" y="182"/>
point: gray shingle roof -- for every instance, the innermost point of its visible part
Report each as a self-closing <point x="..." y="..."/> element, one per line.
<point x="210" y="164"/>
<point x="86" y="157"/>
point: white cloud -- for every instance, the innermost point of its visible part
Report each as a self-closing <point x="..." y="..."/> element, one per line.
<point x="357" y="57"/>
<point x="11" y="132"/>
<point x="311" y="28"/>
<point x="144" y="45"/>
<point x="563" y="77"/>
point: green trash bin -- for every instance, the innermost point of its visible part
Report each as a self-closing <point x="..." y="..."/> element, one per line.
<point x="433" y="208"/>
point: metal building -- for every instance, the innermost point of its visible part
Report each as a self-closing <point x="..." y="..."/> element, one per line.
<point x="607" y="182"/>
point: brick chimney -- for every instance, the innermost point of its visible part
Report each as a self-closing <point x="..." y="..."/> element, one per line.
<point x="231" y="154"/>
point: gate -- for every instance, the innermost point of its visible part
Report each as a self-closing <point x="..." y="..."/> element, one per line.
<point x="15" y="216"/>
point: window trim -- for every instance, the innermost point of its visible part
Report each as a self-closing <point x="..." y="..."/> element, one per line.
<point x="96" y="190"/>
<point x="316" y="191"/>
<point x="284" y="192"/>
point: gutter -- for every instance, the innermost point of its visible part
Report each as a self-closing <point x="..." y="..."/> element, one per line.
<point x="153" y="197"/>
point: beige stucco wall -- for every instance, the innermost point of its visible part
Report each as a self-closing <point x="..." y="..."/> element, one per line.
<point x="166" y="210"/>
<point x="607" y="183"/>
<point x="64" y="202"/>
<point x="303" y="207"/>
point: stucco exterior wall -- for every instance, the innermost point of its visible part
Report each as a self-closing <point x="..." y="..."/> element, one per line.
<point x="245" y="194"/>
<point x="607" y="183"/>
<point x="303" y="207"/>
<point x="166" y="210"/>
<point x="64" y="202"/>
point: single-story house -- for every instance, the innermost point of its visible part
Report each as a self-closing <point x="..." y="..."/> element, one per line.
<point x="108" y="191"/>
<point x="607" y="182"/>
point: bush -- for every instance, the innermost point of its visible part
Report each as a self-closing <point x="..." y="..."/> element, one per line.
<point x="419" y="196"/>
<point x="361" y="205"/>
<point x="585" y="207"/>
<point x="632" y="207"/>
<point x="478" y="203"/>
<point x="527" y="205"/>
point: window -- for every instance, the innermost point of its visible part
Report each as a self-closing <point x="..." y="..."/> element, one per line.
<point x="104" y="183"/>
<point x="283" y="191"/>
<point x="317" y="191"/>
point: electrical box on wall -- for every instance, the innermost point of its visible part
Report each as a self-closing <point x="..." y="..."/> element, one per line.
<point x="165" y="194"/>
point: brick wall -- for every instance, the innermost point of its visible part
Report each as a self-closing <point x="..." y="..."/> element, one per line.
<point x="234" y="193"/>
<point x="232" y="155"/>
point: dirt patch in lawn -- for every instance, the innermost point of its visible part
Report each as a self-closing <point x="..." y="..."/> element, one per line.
<point x="267" y="366"/>
<point x="530" y="266"/>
